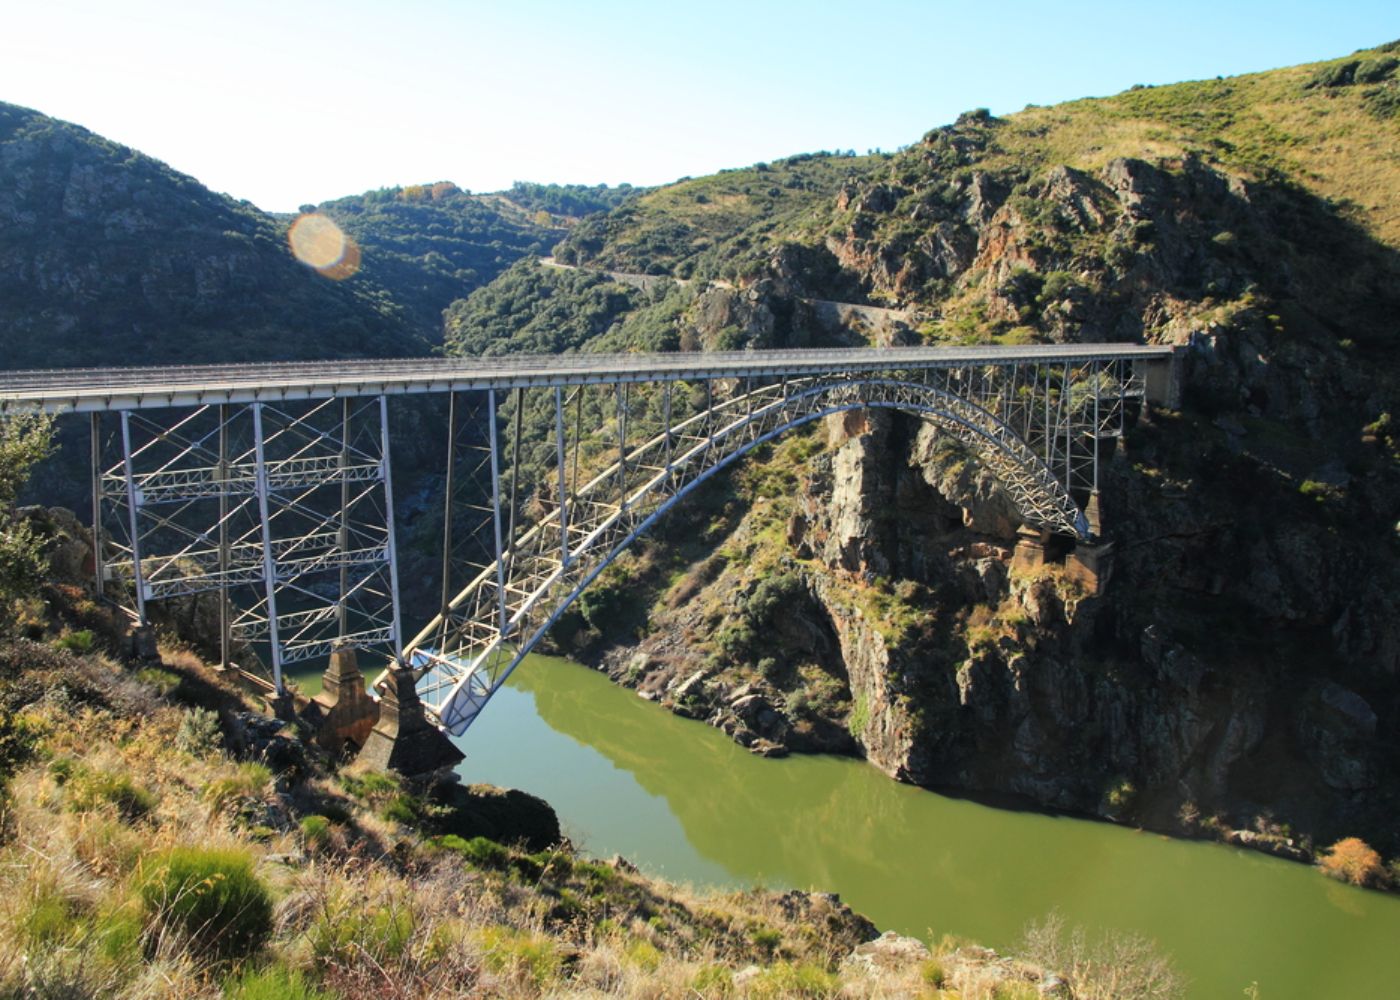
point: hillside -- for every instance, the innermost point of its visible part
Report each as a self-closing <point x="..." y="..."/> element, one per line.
<point x="110" y="257"/>
<point x="433" y="243"/>
<point x="1237" y="671"/>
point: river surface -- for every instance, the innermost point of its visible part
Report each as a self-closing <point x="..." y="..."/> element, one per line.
<point x="681" y="800"/>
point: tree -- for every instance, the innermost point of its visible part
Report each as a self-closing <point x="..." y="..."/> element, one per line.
<point x="25" y="440"/>
<point x="1353" y="860"/>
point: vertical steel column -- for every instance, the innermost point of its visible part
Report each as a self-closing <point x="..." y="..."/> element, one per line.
<point x="622" y="445"/>
<point x="133" y="520"/>
<point x="95" y="426"/>
<point x="225" y="619"/>
<point x="269" y="567"/>
<point x="514" y="472"/>
<point x="389" y="525"/>
<point x="496" y="511"/>
<point x="561" y="461"/>
<point x="1067" y="409"/>
<point x="342" y="535"/>
<point x="578" y="437"/>
<point x="449" y="490"/>
<point x="666" y="422"/>
<point x="1049" y="431"/>
<point x="1098" y="387"/>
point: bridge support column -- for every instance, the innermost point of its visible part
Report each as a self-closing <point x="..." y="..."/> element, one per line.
<point x="343" y="713"/>
<point x="403" y="739"/>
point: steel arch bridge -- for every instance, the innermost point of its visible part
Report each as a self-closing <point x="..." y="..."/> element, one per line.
<point x="270" y="485"/>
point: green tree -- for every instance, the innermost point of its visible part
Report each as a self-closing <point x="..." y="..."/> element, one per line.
<point x="25" y="440"/>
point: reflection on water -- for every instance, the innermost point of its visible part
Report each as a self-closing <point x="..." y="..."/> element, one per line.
<point x="680" y="799"/>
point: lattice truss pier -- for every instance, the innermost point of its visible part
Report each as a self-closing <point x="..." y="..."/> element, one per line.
<point x="283" y="512"/>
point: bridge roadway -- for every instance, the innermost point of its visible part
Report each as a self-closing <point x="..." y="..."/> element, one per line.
<point x="90" y="390"/>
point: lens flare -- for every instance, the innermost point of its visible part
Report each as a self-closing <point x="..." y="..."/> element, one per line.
<point x="320" y="244"/>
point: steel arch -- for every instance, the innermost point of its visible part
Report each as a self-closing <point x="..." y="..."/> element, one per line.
<point x="473" y="650"/>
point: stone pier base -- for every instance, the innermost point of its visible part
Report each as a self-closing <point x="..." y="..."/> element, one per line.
<point x="403" y="739"/>
<point x="1091" y="565"/>
<point x="343" y="713"/>
<point x="1029" y="554"/>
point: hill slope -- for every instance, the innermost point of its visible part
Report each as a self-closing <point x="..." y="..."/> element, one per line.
<point x="110" y="257"/>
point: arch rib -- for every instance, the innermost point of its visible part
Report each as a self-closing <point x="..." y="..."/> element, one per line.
<point x="465" y="654"/>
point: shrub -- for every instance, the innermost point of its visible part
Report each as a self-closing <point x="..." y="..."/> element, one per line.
<point x="713" y="981"/>
<point x="933" y="973"/>
<point x="249" y="781"/>
<point x="785" y="979"/>
<point x="76" y="642"/>
<point x="860" y="717"/>
<point x="275" y="982"/>
<point x="1110" y="967"/>
<point x="1353" y="860"/>
<point x="212" y="896"/>
<point x="479" y="851"/>
<point x="766" y="939"/>
<point x="316" y="830"/>
<point x="506" y="950"/>
<point x="164" y="681"/>
<point x="89" y="789"/>
<point x="200" y="733"/>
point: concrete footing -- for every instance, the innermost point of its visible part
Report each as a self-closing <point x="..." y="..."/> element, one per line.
<point x="343" y="713"/>
<point x="403" y="739"/>
<point x="142" y="640"/>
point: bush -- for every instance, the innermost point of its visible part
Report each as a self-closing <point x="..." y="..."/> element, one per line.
<point x="90" y="789"/>
<point x="1110" y="967"/>
<point x="506" y="950"/>
<point x="249" y="782"/>
<point x="316" y="830"/>
<point x="787" y="980"/>
<point x="479" y="851"/>
<point x="76" y="642"/>
<point x="212" y="896"/>
<point x="164" y="681"/>
<point x="1353" y="860"/>
<point x="273" y="983"/>
<point x="200" y="733"/>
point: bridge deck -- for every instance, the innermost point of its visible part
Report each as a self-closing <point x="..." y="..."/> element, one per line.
<point x="97" y="389"/>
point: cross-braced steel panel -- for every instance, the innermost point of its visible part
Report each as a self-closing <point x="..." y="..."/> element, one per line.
<point x="285" y="510"/>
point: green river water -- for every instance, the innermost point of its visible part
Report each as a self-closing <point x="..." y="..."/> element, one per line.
<point x="681" y="800"/>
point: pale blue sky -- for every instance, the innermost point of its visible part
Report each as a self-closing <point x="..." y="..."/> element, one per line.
<point x="291" y="101"/>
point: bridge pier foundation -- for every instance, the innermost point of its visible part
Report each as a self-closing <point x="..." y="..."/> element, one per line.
<point x="343" y="713"/>
<point x="142" y="643"/>
<point x="403" y="739"/>
<point x="1029" y="554"/>
<point x="1091" y="564"/>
